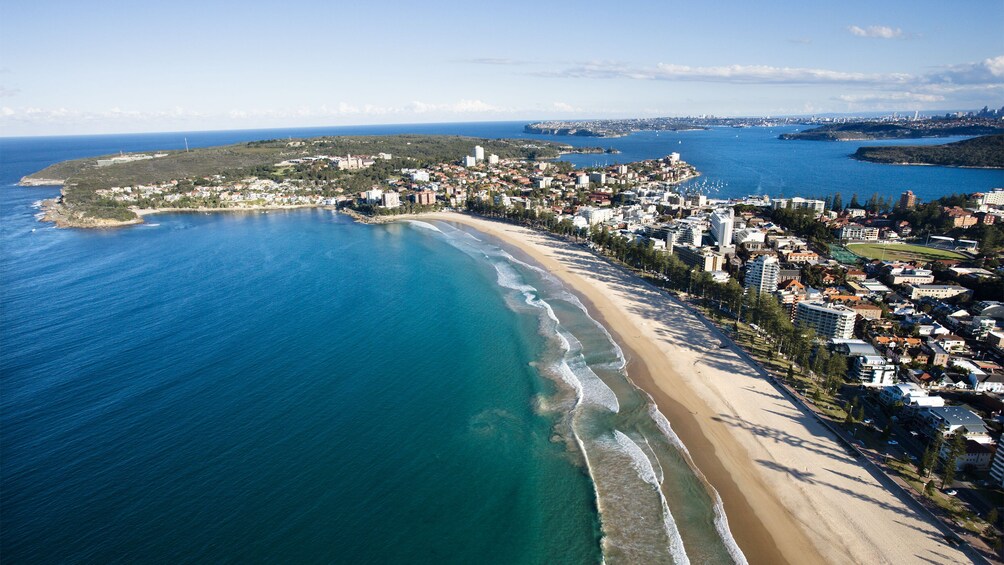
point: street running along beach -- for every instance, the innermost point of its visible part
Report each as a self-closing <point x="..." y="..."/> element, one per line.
<point x="791" y="493"/>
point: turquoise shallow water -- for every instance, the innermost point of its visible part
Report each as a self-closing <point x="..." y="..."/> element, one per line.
<point x="283" y="386"/>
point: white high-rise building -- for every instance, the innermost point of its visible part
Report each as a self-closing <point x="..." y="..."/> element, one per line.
<point x="493" y="159"/>
<point x="722" y="221"/>
<point x="374" y="196"/>
<point x="993" y="198"/>
<point x="391" y="200"/>
<point x="687" y="235"/>
<point x="761" y="276"/>
<point x="470" y="161"/>
<point x="479" y="153"/>
<point x="832" y="321"/>
<point x="799" y="203"/>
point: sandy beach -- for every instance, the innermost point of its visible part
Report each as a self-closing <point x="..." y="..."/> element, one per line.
<point x="792" y="493"/>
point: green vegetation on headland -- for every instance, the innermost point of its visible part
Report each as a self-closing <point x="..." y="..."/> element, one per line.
<point x="986" y="151"/>
<point x="904" y="129"/>
<point x="166" y="179"/>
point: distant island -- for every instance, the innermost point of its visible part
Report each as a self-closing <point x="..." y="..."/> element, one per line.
<point x="985" y="152"/>
<point x="620" y="128"/>
<point x="118" y="190"/>
<point x="899" y="129"/>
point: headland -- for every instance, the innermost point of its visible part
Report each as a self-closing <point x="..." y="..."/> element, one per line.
<point x="980" y="152"/>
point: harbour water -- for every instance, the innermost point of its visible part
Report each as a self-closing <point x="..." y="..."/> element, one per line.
<point x="291" y="386"/>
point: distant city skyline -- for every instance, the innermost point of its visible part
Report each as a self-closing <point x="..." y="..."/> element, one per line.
<point x="106" y="67"/>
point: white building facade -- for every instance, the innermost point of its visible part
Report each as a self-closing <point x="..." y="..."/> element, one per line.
<point x="761" y="276"/>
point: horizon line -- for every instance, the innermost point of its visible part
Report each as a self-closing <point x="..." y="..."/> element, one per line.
<point x="526" y="121"/>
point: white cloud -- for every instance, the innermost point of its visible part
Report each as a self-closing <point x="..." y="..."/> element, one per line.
<point x="117" y="117"/>
<point x="987" y="71"/>
<point x="746" y="74"/>
<point x="461" y="107"/>
<point x="985" y="75"/>
<point x="565" y="107"/>
<point x="473" y="106"/>
<point x="880" y="32"/>
<point x="890" y="97"/>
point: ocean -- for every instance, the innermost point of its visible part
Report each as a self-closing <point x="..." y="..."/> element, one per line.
<point x="294" y="387"/>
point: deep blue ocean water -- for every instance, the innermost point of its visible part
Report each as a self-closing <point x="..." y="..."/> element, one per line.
<point x="295" y="387"/>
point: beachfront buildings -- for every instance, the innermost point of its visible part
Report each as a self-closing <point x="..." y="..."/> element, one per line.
<point x="828" y="320"/>
<point x="910" y="394"/>
<point x="761" y="276"/>
<point x="953" y="419"/>
<point x="993" y="198"/>
<point x="722" y="222"/>
<point x="997" y="468"/>
<point x="391" y="200"/>
<point x="701" y="258"/>
<point x="374" y="196"/>
<point x="798" y="203"/>
<point x="867" y="366"/>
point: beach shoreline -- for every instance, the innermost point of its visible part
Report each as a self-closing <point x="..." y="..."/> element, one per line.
<point x="791" y="493"/>
<point x="55" y="212"/>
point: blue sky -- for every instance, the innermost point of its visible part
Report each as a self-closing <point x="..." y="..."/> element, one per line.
<point x="103" y="67"/>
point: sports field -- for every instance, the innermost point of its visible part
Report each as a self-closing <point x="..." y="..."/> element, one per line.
<point x="901" y="252"/>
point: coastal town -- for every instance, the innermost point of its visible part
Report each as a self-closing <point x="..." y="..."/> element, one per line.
<point x="892" y="310"/>
<point x="885" y="317"/>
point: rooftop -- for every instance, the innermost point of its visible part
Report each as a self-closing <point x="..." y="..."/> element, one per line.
<point x="958" y="416"/>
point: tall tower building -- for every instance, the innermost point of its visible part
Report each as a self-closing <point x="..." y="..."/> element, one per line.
<point x="761" y="276"/>
<point x="722" y="221"/>
<point x="479" y="153"/>
<point x="907" y="200"/>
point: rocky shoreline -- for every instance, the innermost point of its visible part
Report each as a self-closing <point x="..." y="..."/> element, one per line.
<point x="28" y="181"/>
<point x="54" y="211"/>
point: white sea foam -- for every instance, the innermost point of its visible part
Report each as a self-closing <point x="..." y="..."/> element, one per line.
<point x="721" y="521"/>
<point x="595" y="391"/>
<point x="424" y="225"/>
<point x="508" y="278"/>
<point x="572" y="367"/>
<point x="643" y="466"/>
<point x="565" y="295"/>
<point x="465" y="232"/>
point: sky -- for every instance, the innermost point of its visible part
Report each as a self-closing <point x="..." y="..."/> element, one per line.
<point x="85" y="67"/>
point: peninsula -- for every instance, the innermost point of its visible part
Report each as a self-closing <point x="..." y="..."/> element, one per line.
<point x="900" y="129"/>
<point x="620" y="128"/>
<point x="119" y="189"/>
<point x="983" y="152"/>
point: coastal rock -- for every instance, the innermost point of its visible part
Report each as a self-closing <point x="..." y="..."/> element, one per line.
<point x="31" y="181"/>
